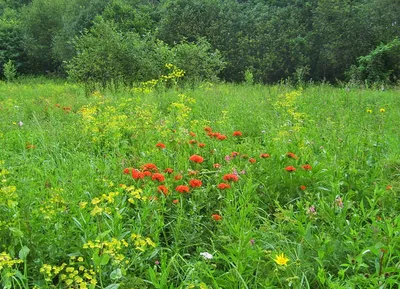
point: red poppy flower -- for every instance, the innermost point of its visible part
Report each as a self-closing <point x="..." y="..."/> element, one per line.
<point x="231" y="177"/>
<point x="193" y="173"/>
<point x="67" y="109"/>
<point x="224" y="186"/>
<point x="158" y="177"/>
<point x="150" y="167"/>
<point x="208" y="129"/>
<point x="388" y="187"/>
<point x="178" y="177"/>
<point x="216" y="217"/>
<point x="192" y="141"/>
<point x="168" y="170"/>
<point x="161" y="145"/>
<point x="162" y="189"/>
<point x="292" y="156"/>
<point x="252" y="160"/>
<point x="306" y="167"/>
<point x="137" y="175"/>
<point x="264" y="156"/>
<point x="237" y="133"/>
<point x="176" y="201"/>
<point x="127" y="171"/>
<point x="202" y="145"/>
<point x="221" y="137"/>
<point x="182" y="189"/>
<point x="290" y="169"/>
<point x="303" y="188"/>
<point x="147" y="173"/>
<point x="196" y="158"/>
<point x="192" y="134"/>
<point x="234" y="154"/>
<point x="217" y="166"/>
<point x="194" y="183"/>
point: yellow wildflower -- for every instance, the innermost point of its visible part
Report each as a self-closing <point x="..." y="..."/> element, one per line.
<point x="281" y="260"/>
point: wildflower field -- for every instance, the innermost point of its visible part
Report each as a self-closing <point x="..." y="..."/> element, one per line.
<point x="218" y="186"/>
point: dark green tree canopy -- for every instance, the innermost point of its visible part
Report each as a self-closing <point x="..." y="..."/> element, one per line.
<point x="275" y="40"/>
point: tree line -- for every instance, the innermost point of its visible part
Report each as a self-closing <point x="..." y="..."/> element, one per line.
<point x="125" y="41"/>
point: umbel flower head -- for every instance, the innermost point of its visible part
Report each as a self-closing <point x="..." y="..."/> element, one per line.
<point x="281" y="260"/>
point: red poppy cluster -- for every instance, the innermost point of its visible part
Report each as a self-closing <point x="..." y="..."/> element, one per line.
<point x="230" y="178"/>
<point x="290" y="169"/>
<point x="162" y="179"/>
<point x="182" y="189"/>
<point x="306" y="167"/>
<point x="292" y="155"/>
<point x="196" y="158"/>
<point x="194" y="183"/>
<point x="216" y="217"/>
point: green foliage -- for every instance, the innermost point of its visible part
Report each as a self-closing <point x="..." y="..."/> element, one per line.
<point x="41" y="21"/>
<point x="280" y="40"/>
<point x="382" y="65"/>
<point x="198" y="60"/>
<point x="11" y="40"/>
<point x="130" y="15"/>
<point x="9" y="71"/>
<point x="342" y="32"/>
<point x="187" y="20"/>
<point x="248" y="77"/>
<point x="77" y="16"/>
<point x="107" y="57"/>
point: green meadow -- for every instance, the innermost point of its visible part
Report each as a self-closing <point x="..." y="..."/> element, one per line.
<point x="217" y="186"/>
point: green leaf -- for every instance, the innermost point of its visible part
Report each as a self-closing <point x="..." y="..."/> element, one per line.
<point x="100" y="260"/>
<point x="17" y="232"/>
<point x="116" y="274"/>
<point x="23" y="253"/>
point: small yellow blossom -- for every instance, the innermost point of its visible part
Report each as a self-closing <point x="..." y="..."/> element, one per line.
<point x="382" y="110"/>
<point x="281" y="260"/>
<point x="369" y="110"/>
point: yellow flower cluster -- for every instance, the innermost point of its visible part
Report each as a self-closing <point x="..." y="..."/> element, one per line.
<point x="104" y="200"/>
<point x="134" y="194"/>
<point x="141" y="243"/>
<point x="75" y="274"/>
<point x="8" y="196"/>
<point x="7" y="262"/>
<point x="53" y="206"/>
<point x="181" y="110"/>
<point x="286" y="103"/>
<point x="172" y="76"/>
<point x="108" y="123"/>
<point x="112" y="248"/>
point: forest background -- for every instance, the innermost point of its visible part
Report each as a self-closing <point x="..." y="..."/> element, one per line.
<point x="265" y="41"/>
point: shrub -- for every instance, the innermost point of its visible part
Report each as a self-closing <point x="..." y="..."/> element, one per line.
<point x="9" y="70"/>
<point x="199" y="62"/>
<point x="106" y="57"/>
<point x="381" y="65"/>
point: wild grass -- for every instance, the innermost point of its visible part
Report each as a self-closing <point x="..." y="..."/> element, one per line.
<point x="315" y="204"/>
